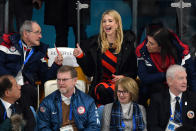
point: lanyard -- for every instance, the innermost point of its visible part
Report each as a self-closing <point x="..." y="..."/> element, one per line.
<point x="134" y="125"/>
<point x="172" y="116"/>
<point x="70" y="113"/>
<point x="123" y="124"/>
<point x="5" y="112"/>
<point x="29" y="55"/>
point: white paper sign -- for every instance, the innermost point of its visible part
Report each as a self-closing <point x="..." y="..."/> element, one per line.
<point x="68" y="57"/>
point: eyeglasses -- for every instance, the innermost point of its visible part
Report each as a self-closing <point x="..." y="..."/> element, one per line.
<point x="122" y="92"/>
<point x="63" y="80"/>
<point x="36" y="32"/>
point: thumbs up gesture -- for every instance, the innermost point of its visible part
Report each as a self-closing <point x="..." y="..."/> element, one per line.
<point x="77" y="51"/>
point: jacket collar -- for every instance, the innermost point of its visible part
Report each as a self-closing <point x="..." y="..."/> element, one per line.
<point x="15" y="40"/>
<point x="182" y="48"/>
<point x="58" y="94"/>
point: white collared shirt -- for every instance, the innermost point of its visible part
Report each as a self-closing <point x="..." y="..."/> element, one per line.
<point x="173" y="100"/>
<point x="65" y="99"/>
<point x="19" y="78"/>
<point x="24" y="51"/>
<point x="7" y="105"/>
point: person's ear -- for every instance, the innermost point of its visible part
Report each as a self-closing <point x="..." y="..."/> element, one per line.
<point x="25" y="33"/>
<point x="169" y="81"/>
<point x="75" y="79"/>
<point x="117" y="25"/>
<point x="6" y="93"/>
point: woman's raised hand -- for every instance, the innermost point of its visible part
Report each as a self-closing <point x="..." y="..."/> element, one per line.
<point x="116" y="77"/>
<point x="77" y="51"/>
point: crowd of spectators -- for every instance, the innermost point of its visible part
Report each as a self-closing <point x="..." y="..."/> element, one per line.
<point x="150" y="87"/>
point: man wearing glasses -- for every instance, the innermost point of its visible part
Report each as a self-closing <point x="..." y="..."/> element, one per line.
<point x="68" y="109"/>
<point x="23" y="56"/>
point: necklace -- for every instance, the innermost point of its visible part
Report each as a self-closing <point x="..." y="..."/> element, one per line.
<point x="110" y="45"/>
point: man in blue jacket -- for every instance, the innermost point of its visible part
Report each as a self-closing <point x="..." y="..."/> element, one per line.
<point x="23" y="56"/>
<point x="68" y="108"/>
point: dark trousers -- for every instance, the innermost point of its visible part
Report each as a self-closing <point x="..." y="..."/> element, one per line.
<point x="103" y="93"/>
<point x="21" y="11"/>
<point x="29" y="95"/>
<point x="62" y="34"/>
<point x="2" y="20"/>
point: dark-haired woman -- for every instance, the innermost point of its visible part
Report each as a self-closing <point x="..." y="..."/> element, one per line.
<point x="156" y="53"/>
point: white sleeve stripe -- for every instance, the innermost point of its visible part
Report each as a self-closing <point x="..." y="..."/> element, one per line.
<point x="7" y="51"/>
<point x="185" y="58"/>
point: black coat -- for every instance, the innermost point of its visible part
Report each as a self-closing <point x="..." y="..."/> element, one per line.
<point x="64" y="12"/>
<point x="158" y="113"/>
<point x="20" y="108"/>
<point x="91" y="62"/>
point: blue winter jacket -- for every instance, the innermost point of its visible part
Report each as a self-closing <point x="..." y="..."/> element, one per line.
<point x="12" y="59"/>
<point x="149" y="74"/>
<point x="50" y="112"/>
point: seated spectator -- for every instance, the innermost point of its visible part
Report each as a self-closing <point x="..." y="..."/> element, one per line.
<point x="156" y="53"/>
<point x="68" y="108"/>
<point x="124" y="113"/>
<point x="172" y="107"/>
<point x="13" y="113"/>
<point x="23" y="56"/>
<point x="107" y="57"/>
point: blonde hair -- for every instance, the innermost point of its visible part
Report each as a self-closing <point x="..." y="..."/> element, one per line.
<point x="130" y="85"/>
<point x="119" y="32"/>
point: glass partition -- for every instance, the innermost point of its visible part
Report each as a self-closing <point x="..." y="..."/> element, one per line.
<point x="178" y="15"/>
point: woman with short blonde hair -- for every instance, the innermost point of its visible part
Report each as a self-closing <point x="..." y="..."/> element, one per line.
<point x="124" y="114"/>
<point x="130" y="85"/>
